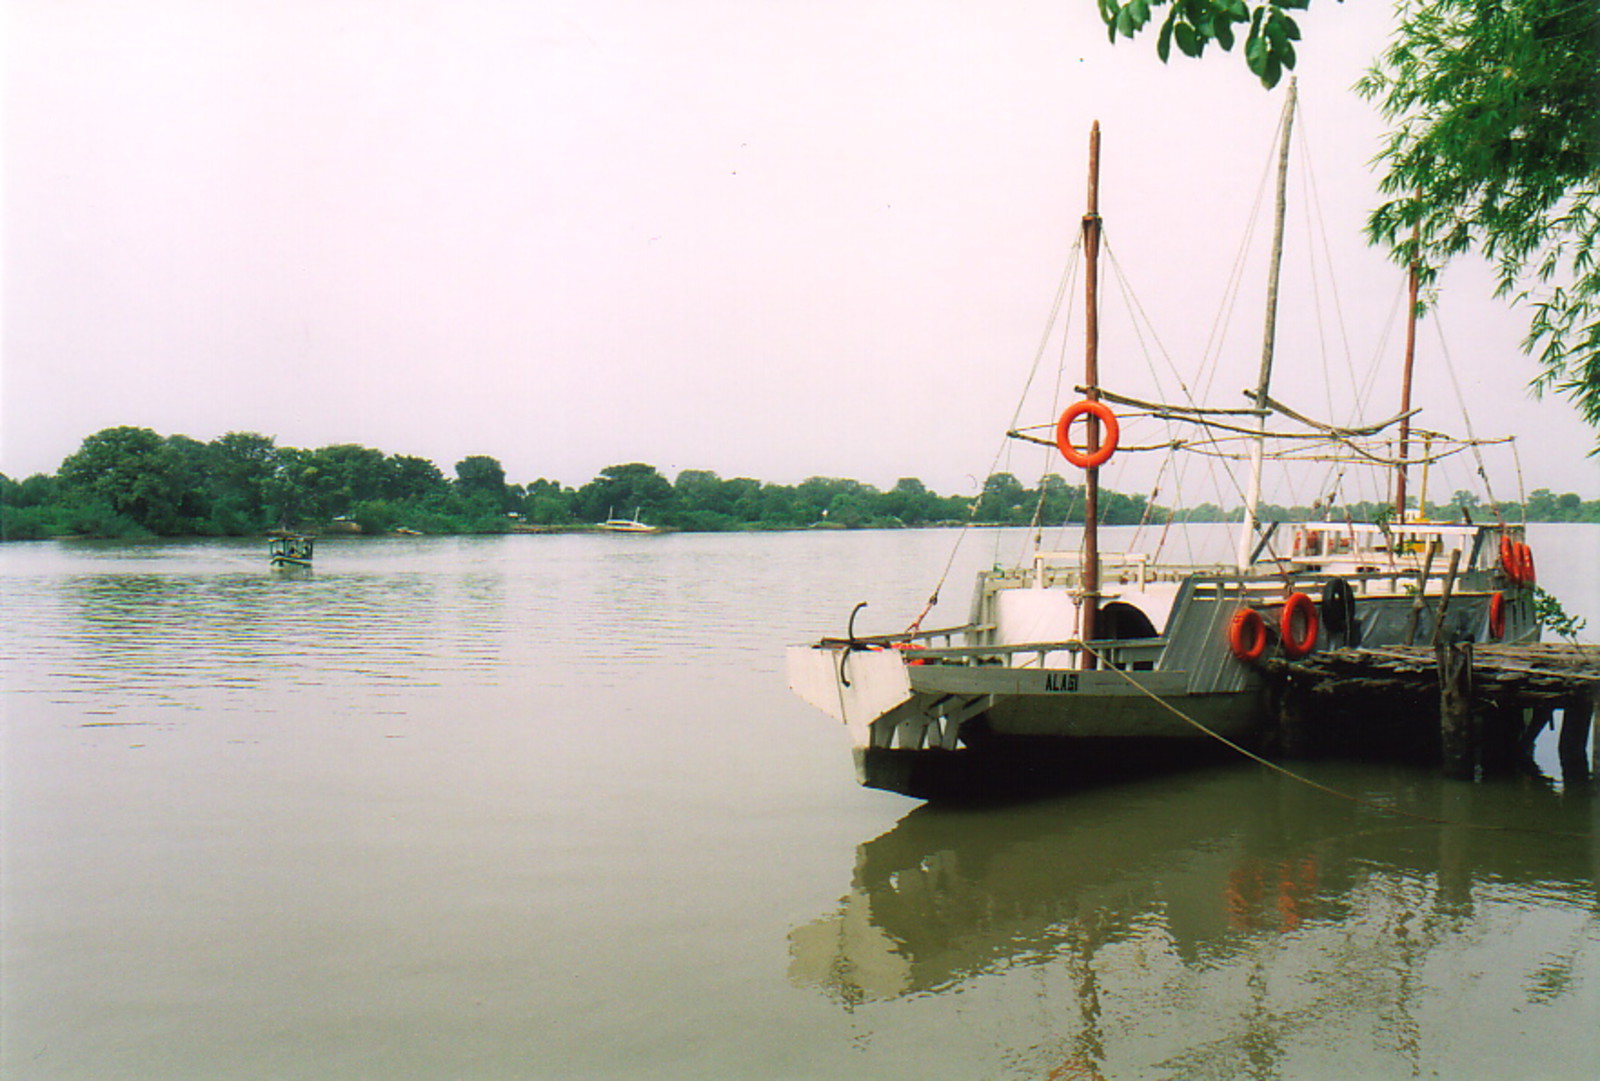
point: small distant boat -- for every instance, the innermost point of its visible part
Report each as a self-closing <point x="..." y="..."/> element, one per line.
<point x="628" y="525"/>
<point x="290" y="550"/>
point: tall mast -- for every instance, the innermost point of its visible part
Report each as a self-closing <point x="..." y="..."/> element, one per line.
<point x="1405" y="381"/>
<point x="1091" y="381"/>
<point x="1247" y="536"/>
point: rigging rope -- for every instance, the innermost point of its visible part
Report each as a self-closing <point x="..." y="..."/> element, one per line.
<point x="1068" y="278"/>
<point x="1466" y="419"/>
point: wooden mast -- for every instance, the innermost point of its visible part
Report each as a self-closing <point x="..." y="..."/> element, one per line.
<point x="1247" y="537"/>
<point x="1091" y="381"/>
<point x="1405" y="381"/>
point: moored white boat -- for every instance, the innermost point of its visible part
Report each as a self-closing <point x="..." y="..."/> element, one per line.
<point x="1083" y="660"/>
<point x="628" y="525"/>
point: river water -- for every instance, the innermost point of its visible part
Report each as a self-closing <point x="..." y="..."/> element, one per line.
<point x="542" y="807"/>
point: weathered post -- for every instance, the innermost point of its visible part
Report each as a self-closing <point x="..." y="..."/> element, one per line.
<point x="1444" y="596"/>
<point x="1577" y="715"/>
<point x="1455" y="709"/>
<point x="1503" y="736"/>
<point x="1294" y="721"/>
<point x="1419" y="602"/>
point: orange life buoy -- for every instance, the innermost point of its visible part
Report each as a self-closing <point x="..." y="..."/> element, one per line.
<point x="1108" y="444"/>
<point x="1247" y="635"/>
<point x="1298" y="625"/>
<point x="1508" y="556"/>
<point x="1497" y="616"/>
<point x="1525" y="572"/>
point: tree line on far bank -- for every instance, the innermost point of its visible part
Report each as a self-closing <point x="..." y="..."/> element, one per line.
<point x="130" y="483"/>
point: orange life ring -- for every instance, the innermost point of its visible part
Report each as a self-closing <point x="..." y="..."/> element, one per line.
<point x="1508" y="556"/>
<point x="1247" y="635"/>
<point x="1302" y="610"/>
<point x="1525" y="572"/>
<point x="1497" y="616"/>
<point x="1102" y="454"/>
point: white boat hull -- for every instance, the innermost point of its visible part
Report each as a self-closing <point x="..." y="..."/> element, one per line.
<point x="922" y="719"/>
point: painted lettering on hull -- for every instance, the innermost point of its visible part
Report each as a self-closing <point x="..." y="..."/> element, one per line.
<point x="1061" y="681"/>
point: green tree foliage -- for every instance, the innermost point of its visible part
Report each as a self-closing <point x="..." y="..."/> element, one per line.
<point x="626" y="490"/>
<point x="336" y="478"/>
<point x="243" y="466"/>
<point x="1546" y="506"/>
<point x="29" y="509"/>
<point x="132" y="482"/>
<point x="126" y="479"/>
<point x="480" y="475"/>
<point x="546" y="502"/>
<point x="1268" y="29"/>
<point x="910" y="502"/>
<point x="414" y="478"/>
<point x="1005" y="500"/>
<point x="1494" y="147"/>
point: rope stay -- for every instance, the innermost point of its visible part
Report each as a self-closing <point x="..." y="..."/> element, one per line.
<point x="1302" y="778"/>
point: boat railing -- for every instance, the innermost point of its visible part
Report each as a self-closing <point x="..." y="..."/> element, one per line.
<point x="1399" y="545"/>
<point x="915" y="639"/>
<point x="1124" y="653"/>
<point x="1137" y="562"/>
<point x="1066" y="568"/>
<point x="1275" y="585"/>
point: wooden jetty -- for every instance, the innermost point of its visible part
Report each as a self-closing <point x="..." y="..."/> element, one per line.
<point x="1477" y="707"/>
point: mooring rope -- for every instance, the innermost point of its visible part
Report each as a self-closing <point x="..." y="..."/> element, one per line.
<point x="1302" y="779"/>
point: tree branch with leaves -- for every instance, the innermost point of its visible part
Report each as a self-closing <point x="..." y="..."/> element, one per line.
<point x="1494" y="147"/>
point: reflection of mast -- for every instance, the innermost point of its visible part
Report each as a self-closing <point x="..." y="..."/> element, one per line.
<point x="1091" y="382"/>
<point x="1090" y="1043"/>
<point x="1247" y="536"/>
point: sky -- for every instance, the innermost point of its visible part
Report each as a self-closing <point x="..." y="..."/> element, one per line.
<point x="754" y="237"/>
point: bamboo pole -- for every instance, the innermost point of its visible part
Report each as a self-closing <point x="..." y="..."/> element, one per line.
<point x="1269" y="336"/>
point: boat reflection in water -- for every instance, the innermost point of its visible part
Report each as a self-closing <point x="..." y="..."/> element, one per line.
<point x="1185" y="926"/>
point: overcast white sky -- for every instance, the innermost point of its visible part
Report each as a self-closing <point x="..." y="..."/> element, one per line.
<point x="763" y="238"/>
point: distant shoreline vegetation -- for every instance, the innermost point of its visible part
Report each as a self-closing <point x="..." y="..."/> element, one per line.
<point x="132" y="483"/>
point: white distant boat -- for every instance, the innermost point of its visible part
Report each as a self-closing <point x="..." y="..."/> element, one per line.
<point x="628" y="525"/>
<point x="1081" y="658"/>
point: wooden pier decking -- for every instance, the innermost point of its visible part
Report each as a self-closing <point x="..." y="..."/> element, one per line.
<point x="1492" y="701"/>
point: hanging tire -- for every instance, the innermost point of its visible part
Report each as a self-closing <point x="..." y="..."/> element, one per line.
<point x="1298" y="626"/>
<point x="1247" y="635"/>
<point x="1101" y="454"/>
<point x="1339" y="609"/>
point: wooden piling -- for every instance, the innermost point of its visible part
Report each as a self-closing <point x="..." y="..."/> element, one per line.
<point x="1503" y="731"/>
<point x="1294" y="720"/>
<point x="1456" y="742"/>
<point x="1444" y="595"/>
<point x="1494" y="701"/>
<point x="1419" y="601"/>
<point x="1576" y="720"/>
